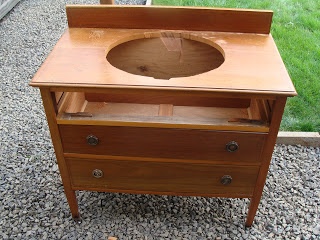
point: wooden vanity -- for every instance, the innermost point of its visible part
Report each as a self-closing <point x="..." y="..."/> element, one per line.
<point x="164" y="100"/>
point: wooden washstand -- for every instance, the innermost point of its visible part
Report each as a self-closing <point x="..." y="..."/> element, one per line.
<point x="165" y="100"/>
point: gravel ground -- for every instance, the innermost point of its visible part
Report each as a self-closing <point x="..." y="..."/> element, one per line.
<point x="33" y="205"/>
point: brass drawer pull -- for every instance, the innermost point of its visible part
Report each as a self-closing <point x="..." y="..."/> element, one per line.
<point x="97" y="173"/>
<point x="232" y="146"/>
<point x="92" y="140"/>
<point x="226" y="180"/>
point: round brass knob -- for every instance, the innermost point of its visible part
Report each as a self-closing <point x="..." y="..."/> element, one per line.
<point x="232" y="146"/>
<point x="92" y="140"/>
<point x="97" y="173"/>
<point x="226" y="180"/>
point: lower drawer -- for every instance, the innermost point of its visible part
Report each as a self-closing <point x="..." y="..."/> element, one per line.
<point x="162" y="177"/>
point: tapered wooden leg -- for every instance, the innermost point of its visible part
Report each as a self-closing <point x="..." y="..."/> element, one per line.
<point x="277" y="112"/>
<point x="254" y="203"/>
<point x="73" y="203"/>
<point x="50" y="106"/>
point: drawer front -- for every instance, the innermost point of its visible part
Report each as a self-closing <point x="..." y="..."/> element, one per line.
<point x="162" y="143"/>
<point x="161" y="177"/>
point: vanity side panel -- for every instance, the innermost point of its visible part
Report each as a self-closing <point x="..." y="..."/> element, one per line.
<point x="50" y="106"/>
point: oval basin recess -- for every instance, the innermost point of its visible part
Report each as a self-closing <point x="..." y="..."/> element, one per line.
<point x="165" y="58"/>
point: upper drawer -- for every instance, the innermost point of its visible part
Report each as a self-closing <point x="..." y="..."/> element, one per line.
<point x="162" y="143"/>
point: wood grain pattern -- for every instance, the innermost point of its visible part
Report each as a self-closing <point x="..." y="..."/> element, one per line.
<point x="176" y="98"/>
<point x="182" y="18"/>
<point x="79" y="59"/>
<point x="159" y="177"/>
<point x="162" y="143"/>
<point x="165" y="110"/>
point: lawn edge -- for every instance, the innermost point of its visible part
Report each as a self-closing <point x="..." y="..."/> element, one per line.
<point x="307" y="139"/>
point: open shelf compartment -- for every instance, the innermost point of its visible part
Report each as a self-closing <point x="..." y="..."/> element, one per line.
<point x="211" y="113"/>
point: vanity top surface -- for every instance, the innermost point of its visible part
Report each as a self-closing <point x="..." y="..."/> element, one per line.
<point x="252" y="62"/>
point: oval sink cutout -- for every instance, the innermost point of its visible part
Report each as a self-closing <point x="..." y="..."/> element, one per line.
<point x="165" y="57"/>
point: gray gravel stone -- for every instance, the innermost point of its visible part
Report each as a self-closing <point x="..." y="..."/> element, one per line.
<point x="33" y="204"/>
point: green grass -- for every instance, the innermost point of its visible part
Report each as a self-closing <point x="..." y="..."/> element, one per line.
<point x="296" y="30"/>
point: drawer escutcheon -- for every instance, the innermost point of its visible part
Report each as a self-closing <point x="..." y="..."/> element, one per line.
<point x="226" y="180"/>
<point x="232" y="146"/>
<point x="97" y="173"/>
<point x="92" y="140"/>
